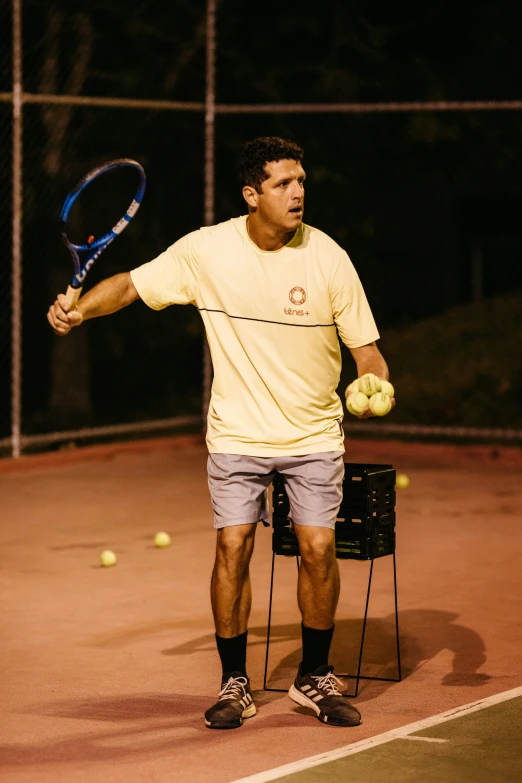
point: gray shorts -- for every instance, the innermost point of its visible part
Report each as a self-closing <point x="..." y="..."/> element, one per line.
<point x="239" y="487"/>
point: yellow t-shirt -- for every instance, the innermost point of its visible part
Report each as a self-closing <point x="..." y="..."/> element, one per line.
<point x="271" y="320"/>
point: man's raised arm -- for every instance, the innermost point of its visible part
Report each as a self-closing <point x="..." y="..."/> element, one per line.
<point x="107" y="297"/>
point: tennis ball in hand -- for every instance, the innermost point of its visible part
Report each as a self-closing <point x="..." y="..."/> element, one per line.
<point x="353" y="388"/>
<point x="357" y="403"/>
<point x="107" y="558"/>
<point x="402" y="481"/>
<point x="380" y="404"/>
<point x="387" y="388"/>
<point x="162" y="540"/>
<point x="369" y="384"/>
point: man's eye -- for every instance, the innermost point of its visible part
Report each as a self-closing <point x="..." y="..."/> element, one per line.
<point x="283" y="184"/>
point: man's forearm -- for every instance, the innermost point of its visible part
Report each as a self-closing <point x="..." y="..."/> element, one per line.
<point x="375" y="365"/>
<point x="107" y="297"/>
<point x="368" y="358"/>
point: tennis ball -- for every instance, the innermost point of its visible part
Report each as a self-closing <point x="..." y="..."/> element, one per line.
<point x="380" y="404"/>
<point x="357" y="403"/>
<point x="162" y="540"/>
<point x="107" y="558"/>
<point x="387" y="388"/>
<point x="353" y="388"/>
<point x="369" y="384"/>
<point x="402" y="481"/>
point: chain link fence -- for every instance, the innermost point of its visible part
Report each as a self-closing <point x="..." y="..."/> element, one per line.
<point x="84" y="104"/>
<point x="425" y="198"/>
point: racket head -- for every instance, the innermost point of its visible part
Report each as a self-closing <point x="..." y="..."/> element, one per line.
<point x="97" y="246"/>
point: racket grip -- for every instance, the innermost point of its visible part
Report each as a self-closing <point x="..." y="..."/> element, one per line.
<point x="71" y="297"/>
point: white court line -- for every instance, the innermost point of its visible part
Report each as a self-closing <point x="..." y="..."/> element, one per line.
<point x="423" y="739"/>
<point x="379" y="739"/>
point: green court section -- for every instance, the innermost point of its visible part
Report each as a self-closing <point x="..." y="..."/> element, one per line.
<point x="483" y="747"/>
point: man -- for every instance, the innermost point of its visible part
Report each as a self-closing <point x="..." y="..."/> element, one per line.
<point x="274" y="294"/>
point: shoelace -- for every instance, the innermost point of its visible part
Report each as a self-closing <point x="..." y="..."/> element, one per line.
<point x="330" y="684"/>
<point x="234" y="687"/>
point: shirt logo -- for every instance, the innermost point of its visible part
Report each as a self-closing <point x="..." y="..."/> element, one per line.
<point x="297" y="295"/>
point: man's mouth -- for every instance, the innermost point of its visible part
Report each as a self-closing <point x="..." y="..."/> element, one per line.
<point x="296" y="210"/>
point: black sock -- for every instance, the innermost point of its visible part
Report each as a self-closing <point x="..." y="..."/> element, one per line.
<point x="232" y="652"/>
<point x="316" y="647"/>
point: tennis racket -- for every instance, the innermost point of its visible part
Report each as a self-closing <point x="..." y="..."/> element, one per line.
<point x="95" y="247"/>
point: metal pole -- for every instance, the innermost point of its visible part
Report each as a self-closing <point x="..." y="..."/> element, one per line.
<point x="399" y="670"/>
<point x="16" y="268"/>
<point x="269" y="622"/>
<point x="359" y="665"/>
<point x="210" y="111"/>
<point x="210" y="120"/>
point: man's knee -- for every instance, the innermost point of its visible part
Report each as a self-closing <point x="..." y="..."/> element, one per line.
<point x="235" y="544"/>
<point x="316" y="545"/>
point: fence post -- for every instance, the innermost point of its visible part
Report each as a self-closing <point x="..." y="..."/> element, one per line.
<point x="210" y="122"/>
<point x="16" y="268"/>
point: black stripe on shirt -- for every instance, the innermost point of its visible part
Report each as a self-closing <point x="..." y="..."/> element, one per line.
<point x="263" y="320"/>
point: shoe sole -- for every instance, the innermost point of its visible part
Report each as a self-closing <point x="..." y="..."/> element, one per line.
<point x="248" y="713"/>
<point x="300" y="698"/>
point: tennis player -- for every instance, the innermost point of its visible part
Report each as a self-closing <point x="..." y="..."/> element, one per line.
<point x="274" y="294"/>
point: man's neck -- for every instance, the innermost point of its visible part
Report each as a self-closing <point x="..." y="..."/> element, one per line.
<point x="266" y="237"/>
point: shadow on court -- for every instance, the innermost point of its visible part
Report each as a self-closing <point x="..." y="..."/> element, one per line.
<point x="424" y="633"/>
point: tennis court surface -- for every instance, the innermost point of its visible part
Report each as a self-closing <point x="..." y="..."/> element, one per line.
<point x="109" y="671"/>
<point x="474" y="743"/>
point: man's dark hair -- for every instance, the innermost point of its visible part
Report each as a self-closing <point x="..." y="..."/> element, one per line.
<point x="255" y="154"/>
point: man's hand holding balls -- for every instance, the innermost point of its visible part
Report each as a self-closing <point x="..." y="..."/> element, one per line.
<point x="370" y="396"/>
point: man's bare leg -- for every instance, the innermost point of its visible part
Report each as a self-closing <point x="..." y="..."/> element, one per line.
<point x="231" y="592"/>
<point x="316" y="686"/>
<point x="318" y="586"/>
<point x="231" y="595"/>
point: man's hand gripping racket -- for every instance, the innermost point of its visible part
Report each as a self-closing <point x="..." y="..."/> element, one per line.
<point x="63" y="315"/>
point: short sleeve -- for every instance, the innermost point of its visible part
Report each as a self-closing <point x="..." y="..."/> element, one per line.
<point x="171" y="278"/>
<point x="351" y="311"/>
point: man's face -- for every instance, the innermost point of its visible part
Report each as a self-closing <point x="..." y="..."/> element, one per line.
<point x="281" y="202"/>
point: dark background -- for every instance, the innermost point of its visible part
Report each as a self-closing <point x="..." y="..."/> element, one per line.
<point x="411" y="196"/>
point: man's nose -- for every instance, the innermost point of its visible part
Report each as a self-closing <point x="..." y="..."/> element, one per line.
<point x="297" y="190"/>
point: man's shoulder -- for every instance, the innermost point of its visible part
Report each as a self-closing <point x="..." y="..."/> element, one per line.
<point x="207" y="238"/>
<point x="231" y="227"/>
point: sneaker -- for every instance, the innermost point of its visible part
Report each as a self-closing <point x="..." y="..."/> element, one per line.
<point x="320" y="691"/>
<point x="235" y="702"/>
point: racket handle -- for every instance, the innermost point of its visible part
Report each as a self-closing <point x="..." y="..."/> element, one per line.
<point x="71" y="297"/>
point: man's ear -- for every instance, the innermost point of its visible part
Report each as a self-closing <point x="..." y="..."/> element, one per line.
<point x="251" y="196"/>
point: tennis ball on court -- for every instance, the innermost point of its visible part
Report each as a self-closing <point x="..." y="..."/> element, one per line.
<point x="380" y="404"/>
<point x="107" y="558"/>
<point x="162" y="540"/>
<point x="387" y="388"/>
<point x="357" y="403"/>
<point x="369" y="384"/>
<point x="402" y="481"/>
<point x="353" y="388"/>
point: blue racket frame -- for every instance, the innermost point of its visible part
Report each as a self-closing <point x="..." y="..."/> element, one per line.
<point x="96" y="248"/>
